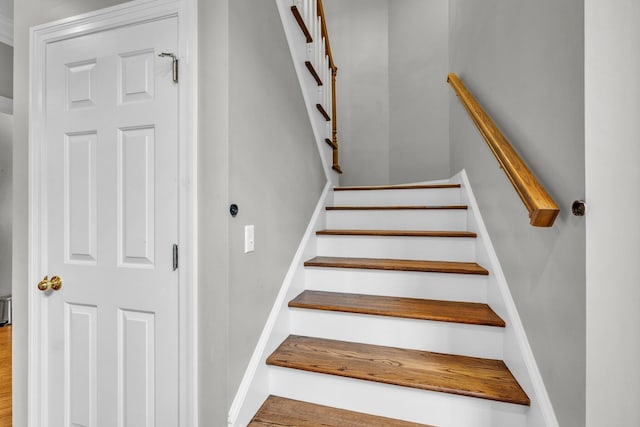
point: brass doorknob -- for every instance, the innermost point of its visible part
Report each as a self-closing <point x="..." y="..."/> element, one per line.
<point x="44" y="284"/>
<point x="56" y="283"/>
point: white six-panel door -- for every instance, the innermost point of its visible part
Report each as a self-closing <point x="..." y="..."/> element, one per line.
<point x="111" y="150"/>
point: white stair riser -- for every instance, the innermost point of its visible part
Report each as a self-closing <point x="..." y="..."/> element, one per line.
<point x="439" y="337"/>
<point x="437" y="219"/>
<point x="421" y="406"/>
<point x="425" y="248"/>
<point x="440" y="286"/>
<point x="433" y="196"/>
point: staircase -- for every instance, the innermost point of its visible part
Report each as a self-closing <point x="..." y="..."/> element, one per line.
<point x="395" y="311"/>
<point x="391" y="326"/>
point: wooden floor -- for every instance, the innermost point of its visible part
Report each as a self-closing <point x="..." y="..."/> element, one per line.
<point x="5" y="376"/>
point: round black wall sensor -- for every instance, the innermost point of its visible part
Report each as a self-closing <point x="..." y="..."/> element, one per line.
<point x="233" y="210"/>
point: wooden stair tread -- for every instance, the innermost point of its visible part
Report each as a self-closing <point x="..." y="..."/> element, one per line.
<point x="409" y="308"/>
<point x="396" y="187"/>
<point x="282" y="412"/>
<point x="396" y="233"/>
<point x="461" y="375"/>
<point x="392" y="208"/>
<point x="398" y="264"/>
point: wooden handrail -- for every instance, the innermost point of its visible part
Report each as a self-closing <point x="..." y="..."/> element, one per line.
<point x="325" y="34"/>
<point x="542" y="209"/>
<point x="334" y="75"/>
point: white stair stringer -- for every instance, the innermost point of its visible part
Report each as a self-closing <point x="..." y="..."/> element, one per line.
<point x="427" y="407"/>
<point x="517" y="352"/>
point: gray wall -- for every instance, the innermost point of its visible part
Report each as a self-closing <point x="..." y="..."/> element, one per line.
<point x="418" y="93"/>
<point x="6" y="139"/>
<point x="393" y="115"/>
<point x="6" y="71"/>
<point x="213" y="160"/>
<point x="359" y="34"/>
<point x="525" y="63"/>
<point x="6" y="8"/>
<point x="612" y="151"/>
<point x="257" y="150"/>
<point x="275" y="172"/>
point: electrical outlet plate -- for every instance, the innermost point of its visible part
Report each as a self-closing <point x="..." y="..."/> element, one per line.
<point x="249" y="242"/>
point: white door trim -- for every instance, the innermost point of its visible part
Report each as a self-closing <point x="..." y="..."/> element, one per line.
<point x="125" y="14"/>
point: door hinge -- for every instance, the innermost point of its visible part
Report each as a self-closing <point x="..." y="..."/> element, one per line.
<point x="175" y="256"/>
<point x="174" y="65"/>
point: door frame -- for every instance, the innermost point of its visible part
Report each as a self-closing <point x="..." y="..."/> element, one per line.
<point x="131" y="13"/>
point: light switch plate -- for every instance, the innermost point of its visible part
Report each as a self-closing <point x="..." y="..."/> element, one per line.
<point x="249" y="242"/>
